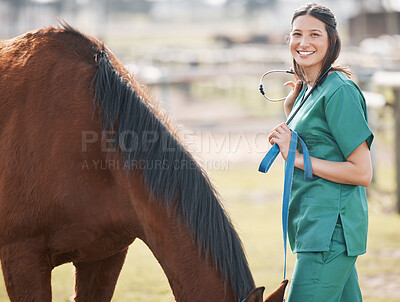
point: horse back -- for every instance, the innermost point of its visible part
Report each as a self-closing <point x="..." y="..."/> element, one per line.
<point x="46" y="106"/>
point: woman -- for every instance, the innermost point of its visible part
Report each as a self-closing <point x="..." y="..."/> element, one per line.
<point x="328" y="216"/>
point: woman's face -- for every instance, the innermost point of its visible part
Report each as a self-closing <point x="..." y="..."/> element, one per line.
<point x="309" y="42"/>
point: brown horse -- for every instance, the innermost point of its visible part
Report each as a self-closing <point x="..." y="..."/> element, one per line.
<point x="87" y="165"/>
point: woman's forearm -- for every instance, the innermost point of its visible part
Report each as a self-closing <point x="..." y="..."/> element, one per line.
<point x="357" y="170"/>
<point x="291" y="98"/>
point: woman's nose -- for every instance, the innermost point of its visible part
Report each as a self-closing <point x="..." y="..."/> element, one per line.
<point x="304" y="41"/>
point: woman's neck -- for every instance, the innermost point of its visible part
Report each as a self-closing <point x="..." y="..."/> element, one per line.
<point x="311" y="75"/>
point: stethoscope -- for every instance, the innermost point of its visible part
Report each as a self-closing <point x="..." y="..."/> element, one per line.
<point x="305" y="96"/>
<point x="262" y="88"/>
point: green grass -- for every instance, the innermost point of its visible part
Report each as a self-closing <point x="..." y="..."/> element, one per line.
<point x="253" y="201"/>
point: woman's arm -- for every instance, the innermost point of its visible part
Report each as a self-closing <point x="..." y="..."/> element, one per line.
<point x="356" y="170"/>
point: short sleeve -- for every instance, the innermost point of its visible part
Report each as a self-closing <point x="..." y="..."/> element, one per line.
<point x="346" y="115"/>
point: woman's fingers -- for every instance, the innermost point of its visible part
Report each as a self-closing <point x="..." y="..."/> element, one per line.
<point x="285" y="127"/>
<point x="290" y="83"/>
<point x="278" y="133"/>
<point x="295" y="86"/>
<point x="282" y="128"/>
<point x="271" y="138"/>
<point x="283" y="142"/>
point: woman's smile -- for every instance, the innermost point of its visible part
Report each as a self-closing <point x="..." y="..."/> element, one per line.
<point x="304" y="53"/>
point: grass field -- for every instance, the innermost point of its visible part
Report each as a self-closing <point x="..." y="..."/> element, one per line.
<point x="253" y="201"/>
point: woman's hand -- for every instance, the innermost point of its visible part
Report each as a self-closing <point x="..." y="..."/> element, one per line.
<point x="293" y="94"/>
<point x="281" y="135"/>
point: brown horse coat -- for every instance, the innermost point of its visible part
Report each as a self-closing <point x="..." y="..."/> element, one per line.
<point x="80" y="180"/>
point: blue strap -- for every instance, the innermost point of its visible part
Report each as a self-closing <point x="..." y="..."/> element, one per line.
<point x="269" y="159"/>
<point x="266" y="164"/>
<point x="306" y="160"/>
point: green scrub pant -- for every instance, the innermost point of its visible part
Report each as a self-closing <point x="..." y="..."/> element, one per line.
<point x="326" y="276"/>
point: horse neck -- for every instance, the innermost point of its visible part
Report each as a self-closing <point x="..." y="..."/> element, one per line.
<point x="192" y="277"/>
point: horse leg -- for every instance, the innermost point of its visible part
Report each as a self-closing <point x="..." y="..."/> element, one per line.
<point x="96" y="281"/>
<point x="27" y="271"/>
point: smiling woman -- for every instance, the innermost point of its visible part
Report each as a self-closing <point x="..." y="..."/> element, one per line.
<point x="328" y="215"/>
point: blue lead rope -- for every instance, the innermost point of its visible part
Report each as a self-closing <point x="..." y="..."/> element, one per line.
<point x="266" y="164"/>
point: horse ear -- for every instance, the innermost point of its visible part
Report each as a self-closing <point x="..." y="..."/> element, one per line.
<point x="277" y="295"/>
<point x="255" y="295"/>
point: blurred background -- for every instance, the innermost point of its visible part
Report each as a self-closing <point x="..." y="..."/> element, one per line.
<point x="202" y="60"/>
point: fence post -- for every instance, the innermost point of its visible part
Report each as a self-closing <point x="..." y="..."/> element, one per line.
<point x="392" y="80"/>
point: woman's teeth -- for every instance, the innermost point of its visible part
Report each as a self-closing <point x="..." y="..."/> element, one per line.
<point x="305" y="53"/>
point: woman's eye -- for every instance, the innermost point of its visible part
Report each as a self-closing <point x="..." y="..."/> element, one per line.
<point x="314" y="35"/>
<point x="295" y="34"/>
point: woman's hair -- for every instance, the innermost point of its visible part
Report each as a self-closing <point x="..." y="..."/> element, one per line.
<point x="325" y="15"/>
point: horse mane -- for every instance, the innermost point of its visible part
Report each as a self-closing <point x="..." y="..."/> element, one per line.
<point x="170" y="173"/>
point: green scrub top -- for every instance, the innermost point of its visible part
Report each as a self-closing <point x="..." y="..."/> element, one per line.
<point x="333" y="123"/>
